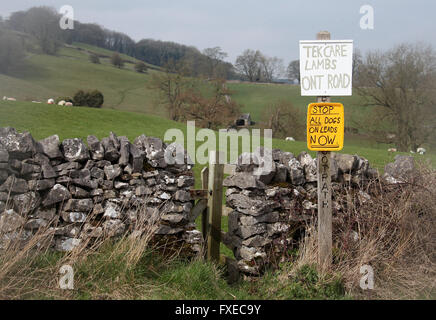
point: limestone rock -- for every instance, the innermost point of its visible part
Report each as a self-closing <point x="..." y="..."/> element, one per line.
<point x="243" y="180"/>
<point x="95" y="147"/>
<point x="75" y="150"/>
<point x="10" y="221"/>
<point x="18" y="145"/>
<point x="50" y="147"/>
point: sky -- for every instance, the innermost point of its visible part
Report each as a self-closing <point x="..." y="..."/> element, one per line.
<point x="274" y="27"/>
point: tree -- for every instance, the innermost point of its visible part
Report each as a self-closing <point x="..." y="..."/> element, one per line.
<point x="11" y="51"/>
<point x="357" y="62"/>
<point x="215" y="57"/>
<point x="294" y="70"/>
<point x="401" y="84"/>
<point x="171" y="85"/>
<point x="140" y="67"/>
<point x="210" y="111"/>
<point x="271" y="67"/>
<point x="284" y="119"/>
<point x="42" y="23"/>
<point x="248" y="64"/>
<point x="117" y="61"/>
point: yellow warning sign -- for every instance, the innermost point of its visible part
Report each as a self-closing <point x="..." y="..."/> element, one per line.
<point x="325" y="126"/>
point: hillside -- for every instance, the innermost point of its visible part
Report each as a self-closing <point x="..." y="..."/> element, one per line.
<point x="44" y="76"/>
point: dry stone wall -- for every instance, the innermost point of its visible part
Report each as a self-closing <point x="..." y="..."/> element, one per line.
<point x="271" y="208"/>
<point x="102" y="189"/>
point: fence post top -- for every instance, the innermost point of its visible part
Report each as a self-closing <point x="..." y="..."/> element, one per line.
<point x="216" y="157"/>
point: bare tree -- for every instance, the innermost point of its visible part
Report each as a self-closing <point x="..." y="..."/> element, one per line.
<point x="357" y="62"/>
<point x="211" y="111"/>
<point x="215" y="59"/>
<point x="293" y="70"/>
<point x="271" y="67"/>
<point x="401" y="82"/>
<point x="247" y="64"/>
<point x="171" y="85"/>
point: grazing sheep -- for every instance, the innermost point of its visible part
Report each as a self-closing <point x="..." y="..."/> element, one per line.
<point x="68" y="104"/>
<point x="392" y="150"/>
<point x="50" y="101"/>
<point x="61" y="103"/>
<point x="290" y="139"/>
<point x="9" y="99"/>
<point x="421" y="150"/>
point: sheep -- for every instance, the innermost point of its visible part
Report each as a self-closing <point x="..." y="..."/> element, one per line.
<point x="421" y="150"/>
<point x="68" y="104"/>
<point x="36" y="102"/>
<point x="290" y="139"/>
<point x="392" y="150"/>
<point x="9" y="99"/>
<point x="50" y="101"/>
<point x="61" y="103"/>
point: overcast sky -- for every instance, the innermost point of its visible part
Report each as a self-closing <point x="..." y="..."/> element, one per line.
<point x="274" y="27"/>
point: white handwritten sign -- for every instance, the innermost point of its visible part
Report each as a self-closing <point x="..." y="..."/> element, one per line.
<point x="326" y="67"/>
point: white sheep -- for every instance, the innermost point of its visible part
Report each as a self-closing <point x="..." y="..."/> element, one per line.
<point x="9" y="99"/>
<point x="392" y="150"/>
<point x="290" y="139"/>
<point x="5" y="98"/>
<point x="50" y="101"/>
<point x="68" y="104"/>
<point x="421" y="150"/>
<point x="61" y="103"/>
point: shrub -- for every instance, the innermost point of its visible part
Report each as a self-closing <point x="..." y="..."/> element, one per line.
<point x="94" y="59"/>
<point x="81" y="98"/>
<point x="140" y="67"/>
<point x="116" y="60"/>
<point x="93" y="99"/>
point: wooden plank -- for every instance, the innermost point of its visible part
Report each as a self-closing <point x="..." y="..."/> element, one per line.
<point x="198" y="194"/>
<point x="198" y="209"/>
<point x="324" y="194"/>
<point x="215" y="202"/>
<point x="229" y="168"/>
<point x="204" y="216"/>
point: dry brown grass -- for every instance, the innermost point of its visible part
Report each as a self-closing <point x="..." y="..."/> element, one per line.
<point x="31" y="269"/>
<point x="396" y="232"/>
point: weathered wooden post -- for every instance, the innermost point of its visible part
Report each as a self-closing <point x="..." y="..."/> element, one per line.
<point x="204" y="216"/>
<point x="324" y="193"/>
<point x="214" y="204"/>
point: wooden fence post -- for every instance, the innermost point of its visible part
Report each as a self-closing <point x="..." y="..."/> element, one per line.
<point x="324" y="194"/>
<point x="204" y="216"/>
<point x="215" y="202"/>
